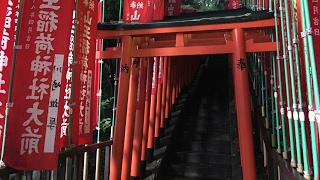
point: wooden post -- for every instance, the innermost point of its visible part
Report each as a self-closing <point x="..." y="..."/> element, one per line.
<point x="120" y="121"/>
<point x="163" y="97"/>
<point x="130" y="119"/>
<point x="146" y="116"/>
<point x="150" y="148"/>
<point x="158" y="106"/>
<point x="241" y="86"/>
<point x="138" y="127"/>
<point x="173" y="81"/>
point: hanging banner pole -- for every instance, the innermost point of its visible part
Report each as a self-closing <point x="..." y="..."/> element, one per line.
<point x="276" y="79"/>
<point x="309" y="56"/>
<point x="288" y="50"/>
<point x="301" y="116"/>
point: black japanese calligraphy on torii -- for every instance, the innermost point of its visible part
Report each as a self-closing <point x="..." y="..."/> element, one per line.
<point x="135" y="62"/>
<point x="241" y="64"/>
<point x="125" y="68"/>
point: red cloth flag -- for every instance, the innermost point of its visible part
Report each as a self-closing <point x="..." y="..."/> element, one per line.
<point x="3" y="9"/>
<point x="227" y="4"/>
<point x="234" y="4"/>
<point x="135" y="11"/>
<point x="172" y="8"/>
<point x="6" y="54"/>
<point x="96" y="86"/>
<point x="65" y="105"/>
<point x="32" y="133"/>
<point x="84" y="69"/>
<point x="83" y="95"/>
<point x="158" y="10"/>
<point x="314" y="9"/>
<point x="150" y="9"/>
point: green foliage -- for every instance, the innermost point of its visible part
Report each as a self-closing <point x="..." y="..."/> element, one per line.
<point x="211" y="5"/>
<point x="111" y="13"/>
<point x="105" y="124"/>
<point x="206" y="5"/>
<point x="106" y="108"/>
<point x="111" y="10"/>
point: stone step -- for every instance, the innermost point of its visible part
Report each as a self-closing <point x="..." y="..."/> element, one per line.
<point x="203" y="146"/>
<point x="203" y="136"/>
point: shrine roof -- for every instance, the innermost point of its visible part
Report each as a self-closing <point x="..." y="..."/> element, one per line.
<point x="193" y="19"/>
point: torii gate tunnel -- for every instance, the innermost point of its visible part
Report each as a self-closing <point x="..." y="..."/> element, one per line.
<point x="234" y="38"/>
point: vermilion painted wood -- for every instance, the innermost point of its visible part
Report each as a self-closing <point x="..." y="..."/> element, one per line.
<point x="178" y="77"/>
<point x="168" y="89"/>
<point x="187" y="50"/>
<point x="120" y="121"/>
<point x="164" y="91"/>
<point x="158" y="104"/>
<point x="184" y="43"/>
<point x="212" y="34"/>
<point x="179" y="40"/>
<point x="147" y="111"/>
<point x="152" y="116"/>
<point x="130" y="120"/>
<point x="173" y="81"/>
<point x="138" y="127"/>
<point x="243" y="107"/>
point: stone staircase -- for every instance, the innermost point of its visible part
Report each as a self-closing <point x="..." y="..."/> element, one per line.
<point x="202" y="143"/>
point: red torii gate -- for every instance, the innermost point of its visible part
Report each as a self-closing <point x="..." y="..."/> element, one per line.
<point x="233" y="38"/>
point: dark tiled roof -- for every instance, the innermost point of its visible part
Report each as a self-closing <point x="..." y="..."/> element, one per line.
<point x="199" y="18"/>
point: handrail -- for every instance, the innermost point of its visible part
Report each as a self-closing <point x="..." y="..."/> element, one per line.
<point x="285" y="166"/>
<point x="83" y="149"/>
<point x="69" y="153"/>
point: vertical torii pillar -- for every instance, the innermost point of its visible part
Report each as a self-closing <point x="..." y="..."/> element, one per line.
<point x="241" y="86"/>
<point x="120" y="122"/>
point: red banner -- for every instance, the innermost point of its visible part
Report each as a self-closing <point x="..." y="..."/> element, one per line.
<point x="6" y="54"/>
<point x="40" y="66"/>
<point x="65" y="106"/>
<point x="3" y="9"/>
<point x="314" y="18"/>
<point x="150" y="10"/>
<point x="136" y="11"/>
<point x="233" y="4"/>
<point x="84" y="69"/>
<point x="158" y="10"/>
<point x="96" y="84"/>
<point x="172" y="8"/>
<point x="81" y="107"/>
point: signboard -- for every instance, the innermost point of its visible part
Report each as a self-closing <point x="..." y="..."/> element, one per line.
<point x="136" y="11"/>
<point x="32" y="130"/>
